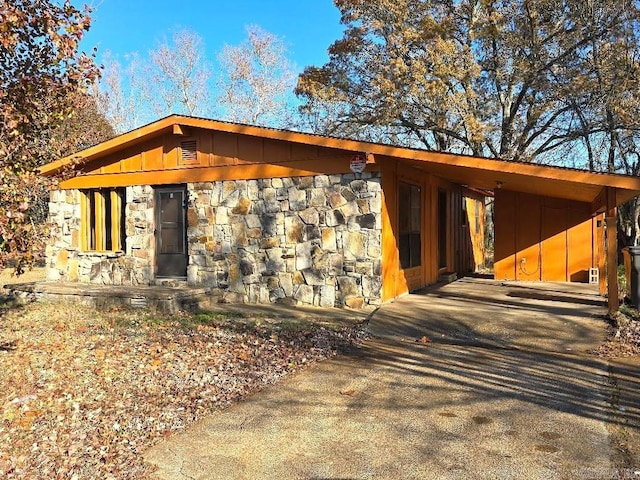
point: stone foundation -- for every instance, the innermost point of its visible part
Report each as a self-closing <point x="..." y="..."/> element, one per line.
<point x="301" y="240"/>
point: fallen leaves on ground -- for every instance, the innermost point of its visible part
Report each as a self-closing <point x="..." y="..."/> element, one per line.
<point x="624" y="335"/>
<point x="84" y="393"/>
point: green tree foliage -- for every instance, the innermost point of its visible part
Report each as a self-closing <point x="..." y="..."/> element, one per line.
<point x="42" y="78"/>
<point x="525" y="80"/>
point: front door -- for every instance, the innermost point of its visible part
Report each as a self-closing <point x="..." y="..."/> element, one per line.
<point x="171" y="256"/>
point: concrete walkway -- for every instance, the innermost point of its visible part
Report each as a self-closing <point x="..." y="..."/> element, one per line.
<point x="500" y="388"/>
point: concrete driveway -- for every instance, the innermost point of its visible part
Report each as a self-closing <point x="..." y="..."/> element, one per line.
<point x="500" y="388"/>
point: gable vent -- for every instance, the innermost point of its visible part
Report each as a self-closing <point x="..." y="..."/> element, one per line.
<point x="189" y="151"/>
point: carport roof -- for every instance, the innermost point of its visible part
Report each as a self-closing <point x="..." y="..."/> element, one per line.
<point x="475" y="172"/>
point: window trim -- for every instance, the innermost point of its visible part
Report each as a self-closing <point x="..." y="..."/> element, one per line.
<point x="94" y="212"/>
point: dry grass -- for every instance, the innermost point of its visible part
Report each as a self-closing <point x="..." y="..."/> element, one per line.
<point x="34" y="275"/>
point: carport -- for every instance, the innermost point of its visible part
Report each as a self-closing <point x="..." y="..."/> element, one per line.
<point x="551" y="223"/>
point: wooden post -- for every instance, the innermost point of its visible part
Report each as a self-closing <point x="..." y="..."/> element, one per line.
<point x="84" y="222"/>
<point x="601" y="254"/>
<point x="116" y="215"/>
<point x="612" y="251"/>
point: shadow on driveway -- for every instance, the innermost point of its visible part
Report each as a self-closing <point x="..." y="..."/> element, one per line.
<point x="501" y="387"/>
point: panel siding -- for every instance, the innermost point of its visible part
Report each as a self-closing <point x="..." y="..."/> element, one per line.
<point x="555" y="238"/>
<point x="528" y="261"/>
<point x="554" y="242"/>
<point x="505" y="235"/>
<point x="579" y="258"/>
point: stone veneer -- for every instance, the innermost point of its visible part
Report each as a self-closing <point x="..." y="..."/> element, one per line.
<point x="301" y="240"/>
<point x="67" y="262"/>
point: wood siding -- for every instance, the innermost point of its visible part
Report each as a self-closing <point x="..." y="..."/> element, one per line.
<point x="543" y="239"/>
<point x="461" y="254"/>
<point x="220" y="156"/>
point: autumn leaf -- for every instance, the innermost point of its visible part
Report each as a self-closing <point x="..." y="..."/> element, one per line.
<point x="106" y="396"/>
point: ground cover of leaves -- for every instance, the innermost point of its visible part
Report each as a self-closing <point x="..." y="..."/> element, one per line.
<point x="624" y="335"/>
<point x="83" y="393"/>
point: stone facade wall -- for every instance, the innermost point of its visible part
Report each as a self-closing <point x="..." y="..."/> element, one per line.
<point x="305" y="240"/>
<point x="67" y="262"/>
<point x="301" y="240"/>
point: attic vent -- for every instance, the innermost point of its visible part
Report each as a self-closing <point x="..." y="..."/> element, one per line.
<point x="188" y="150"/>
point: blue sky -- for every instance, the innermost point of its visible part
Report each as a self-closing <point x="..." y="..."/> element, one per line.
<point x="307" y="27"/>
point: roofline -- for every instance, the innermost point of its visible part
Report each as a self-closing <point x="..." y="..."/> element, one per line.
<point x="520" y="168"/>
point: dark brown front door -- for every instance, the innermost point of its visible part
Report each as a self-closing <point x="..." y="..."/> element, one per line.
<point x="171" y="256"/>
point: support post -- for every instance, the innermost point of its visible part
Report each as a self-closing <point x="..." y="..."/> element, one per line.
<point x="612" y="250"/>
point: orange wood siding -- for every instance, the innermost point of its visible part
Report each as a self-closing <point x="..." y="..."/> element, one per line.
<point x="505" y="238"/>
<point x="476" y="211"/>
<point x="527" y="261"/>
<point x="554" y="237"/>
<point x="600" y="252"/>
<point x="159" y="161"/>
<point x="395" y="280"/>
<point x="391" y="283"/>
<point x="554" y="240"/>
<point x="580" y="260"/>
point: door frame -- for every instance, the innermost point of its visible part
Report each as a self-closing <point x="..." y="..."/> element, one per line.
<point x="178" y="188"/>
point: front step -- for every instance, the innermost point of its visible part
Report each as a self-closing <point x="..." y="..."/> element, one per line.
<point x="173" y="282"/>
<point x="447" y="277"/>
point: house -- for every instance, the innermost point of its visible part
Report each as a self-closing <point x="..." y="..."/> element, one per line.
<point x="262" y="215"/>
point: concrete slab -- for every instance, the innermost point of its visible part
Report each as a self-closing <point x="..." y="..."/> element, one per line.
<point x="478" y="401"/>
<point x="161" y="298"/>
<point x="557" y="317"/>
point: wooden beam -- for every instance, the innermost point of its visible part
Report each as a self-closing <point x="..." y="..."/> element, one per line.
<point x="599" y="204"/>
<point x="209" y="174"/>
<point x="180" y="130"/>
<point x="389" y="211"/>
<point x="84" y="222"/>
<point x="612" y="250"/>
<point x="600" y="259"/>
<point x="99" y="207"/>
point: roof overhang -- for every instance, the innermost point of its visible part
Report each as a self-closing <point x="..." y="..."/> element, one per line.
<point x="474" y="172"/>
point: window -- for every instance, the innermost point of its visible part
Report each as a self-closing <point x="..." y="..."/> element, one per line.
<point x="410" y="228"/>
<point x="465" y="215"/>
<point x="103" y="220"/>
<point x="442" y="228"/>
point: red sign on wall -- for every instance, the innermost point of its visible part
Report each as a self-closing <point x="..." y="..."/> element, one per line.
<point x="358" y="162"/>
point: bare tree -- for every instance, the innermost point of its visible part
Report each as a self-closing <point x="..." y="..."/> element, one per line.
<point x="257" y="81"/>
<point x="179" y="73"/>
<point x="255" y="84"/>
<point x="119" y="94"/>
